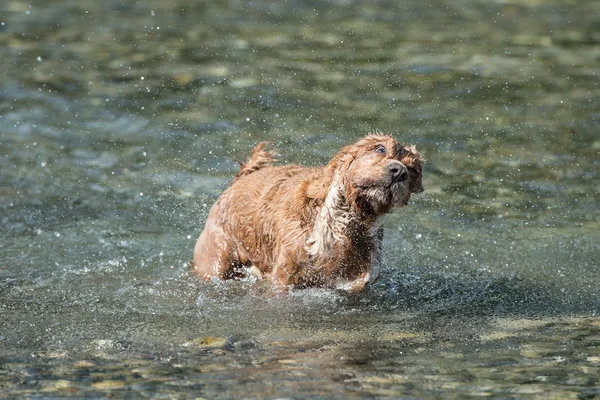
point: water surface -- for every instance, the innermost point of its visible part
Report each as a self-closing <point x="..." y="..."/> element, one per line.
<point x="119" y="124"/>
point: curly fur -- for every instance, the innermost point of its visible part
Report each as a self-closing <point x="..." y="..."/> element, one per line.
<point x="308" y="226"/>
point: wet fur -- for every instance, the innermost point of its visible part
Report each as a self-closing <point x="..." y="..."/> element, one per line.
<point x="308" y="226"/>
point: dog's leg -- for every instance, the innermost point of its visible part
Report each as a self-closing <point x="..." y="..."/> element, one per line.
<point x="214" y="255"/>
<point x="356" y="285"/>
<point x="377" y="255"/>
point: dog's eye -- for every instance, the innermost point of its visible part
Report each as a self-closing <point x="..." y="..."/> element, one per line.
<point x="380" y="149"/>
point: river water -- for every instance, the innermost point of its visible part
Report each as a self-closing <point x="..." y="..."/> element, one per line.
<point x="119" y="124"/>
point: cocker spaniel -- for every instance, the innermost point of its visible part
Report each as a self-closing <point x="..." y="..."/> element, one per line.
<point x="308" y="226"/>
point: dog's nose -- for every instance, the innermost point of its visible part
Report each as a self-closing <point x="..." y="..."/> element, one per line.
<point x="398" y="171"/>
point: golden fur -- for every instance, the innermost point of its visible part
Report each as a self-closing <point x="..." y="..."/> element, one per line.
<point x="308" y="226"/>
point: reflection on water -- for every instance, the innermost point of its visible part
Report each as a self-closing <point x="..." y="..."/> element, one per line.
<point x="119" y="124"/>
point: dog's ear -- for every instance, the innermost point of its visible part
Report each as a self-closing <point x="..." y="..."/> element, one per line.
<point x="319" y="186"/>
<point x="413" y="150"/>
<point x="342" y="160"/>
<point x="331" y="221"/>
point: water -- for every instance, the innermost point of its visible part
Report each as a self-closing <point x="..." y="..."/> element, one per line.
<point x="119" y="124"/>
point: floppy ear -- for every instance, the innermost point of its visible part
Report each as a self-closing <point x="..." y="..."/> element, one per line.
<point x="334" y="214"/>
<point x="321" y="185"/>
<point x="340" y="163"/>
<point x="342" y="160"/>
<point x="413" y="150"/>
<point x="331" y="220"/>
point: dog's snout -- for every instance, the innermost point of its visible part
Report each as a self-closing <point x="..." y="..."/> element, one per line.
<point x="398" y="171"/>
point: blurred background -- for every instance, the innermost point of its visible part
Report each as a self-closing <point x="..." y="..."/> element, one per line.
<point x="119" y="124"/>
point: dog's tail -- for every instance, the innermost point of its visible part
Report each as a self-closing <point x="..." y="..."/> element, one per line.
<point x="259" y="159"/>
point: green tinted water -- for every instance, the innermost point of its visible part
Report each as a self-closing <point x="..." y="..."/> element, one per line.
<point x="119" y="123"/>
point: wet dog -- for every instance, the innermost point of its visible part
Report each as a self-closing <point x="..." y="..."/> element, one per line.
<point x="308" y="226"/>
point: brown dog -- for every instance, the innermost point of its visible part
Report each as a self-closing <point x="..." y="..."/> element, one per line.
<point x="308" y="226"/>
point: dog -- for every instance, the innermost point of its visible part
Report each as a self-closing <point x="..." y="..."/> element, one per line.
<point x="308" y="227"/>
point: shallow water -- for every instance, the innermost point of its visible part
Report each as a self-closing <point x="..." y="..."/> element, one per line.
<point x="119" y="124"/>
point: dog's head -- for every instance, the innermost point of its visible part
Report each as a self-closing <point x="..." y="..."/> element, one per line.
<point x="378" y="173"/>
